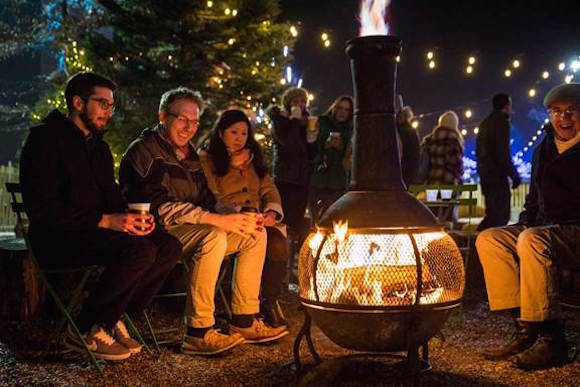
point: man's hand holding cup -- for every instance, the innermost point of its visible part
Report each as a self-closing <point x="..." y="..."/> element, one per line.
<point x="140" y="221"/>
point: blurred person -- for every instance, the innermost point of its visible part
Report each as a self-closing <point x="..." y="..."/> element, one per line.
<point x="237" y="176"/>
<point x="442" y="152"/>
<point x="294" y="150"/>
<point x="409" y="144"/>
<point x="494" y="163"/>
<point x="521" y="261"/>
<point x="78" y="218"/>
<point x="330" y="178"/>
<point x="162" y="167"/>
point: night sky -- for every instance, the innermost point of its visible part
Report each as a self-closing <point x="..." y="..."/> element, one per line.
<point x="539" y="34"/>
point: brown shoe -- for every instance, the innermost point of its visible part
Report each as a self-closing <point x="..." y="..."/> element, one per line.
<point x="212" y="343"/>
<point x="260" y="332"/>
<point x="122" y="337"/>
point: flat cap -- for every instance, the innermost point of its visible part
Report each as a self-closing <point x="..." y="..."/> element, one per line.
<point x="566" y="92"/>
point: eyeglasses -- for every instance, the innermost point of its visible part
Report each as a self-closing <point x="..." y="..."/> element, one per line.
<point x="569" y="112"/>
<point x="103" y="103"/>
<point x="184" y="120"/>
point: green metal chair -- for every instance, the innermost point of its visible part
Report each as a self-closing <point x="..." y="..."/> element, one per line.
<point x="76" y="295"/>
<point x="219" y="291"/>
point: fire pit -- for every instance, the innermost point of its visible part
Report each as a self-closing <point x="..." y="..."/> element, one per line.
<point x="378" y="274"/>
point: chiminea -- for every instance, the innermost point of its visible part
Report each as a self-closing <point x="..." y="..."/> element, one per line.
<point x="379" y="274"/>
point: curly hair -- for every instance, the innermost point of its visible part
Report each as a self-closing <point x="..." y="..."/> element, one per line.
<point x="292" y="93"/>
<point x="217" y="150"/>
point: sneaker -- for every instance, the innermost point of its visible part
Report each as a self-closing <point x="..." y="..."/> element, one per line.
<point x="99" y="342"/>
<point x="260" y="332"/>
<point x="212" y="343"/>
<point x="122" y="337"/>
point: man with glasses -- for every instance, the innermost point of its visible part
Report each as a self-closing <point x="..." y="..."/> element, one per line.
<point x="77" y="217"/>
<point x="520" y="261"/>
<point x="162" y="167"/>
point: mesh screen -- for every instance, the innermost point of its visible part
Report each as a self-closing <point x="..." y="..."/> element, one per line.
<point x="380" y="269"/>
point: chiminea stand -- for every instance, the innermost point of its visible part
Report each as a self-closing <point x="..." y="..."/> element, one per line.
<point x="414" y="363"/>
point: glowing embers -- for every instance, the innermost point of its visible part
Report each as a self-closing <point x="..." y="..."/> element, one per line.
<point x="373" y="269"/>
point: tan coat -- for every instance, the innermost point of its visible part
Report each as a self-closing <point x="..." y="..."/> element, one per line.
<point x="234" y="191"/>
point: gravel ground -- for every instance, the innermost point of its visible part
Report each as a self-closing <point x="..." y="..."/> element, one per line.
<point x="25" y="360"/>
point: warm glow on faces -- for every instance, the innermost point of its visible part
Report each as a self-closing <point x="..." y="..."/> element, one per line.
<point x="235" y="136"/>
<point x="91" y="112"/>
<point x="565" y="118"/>
<point x="342" y="111"/>
<point x="181" y="120"/>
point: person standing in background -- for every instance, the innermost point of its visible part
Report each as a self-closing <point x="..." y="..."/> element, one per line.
<point x="329" y="179"/>
<point x="494" y="163"/>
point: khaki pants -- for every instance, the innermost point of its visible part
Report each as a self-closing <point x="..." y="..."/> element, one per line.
<point x="207" y="246"/>
<point x="519" y="265"/>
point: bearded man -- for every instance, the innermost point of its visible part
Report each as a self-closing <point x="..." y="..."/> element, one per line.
<point x="78" y="217"/>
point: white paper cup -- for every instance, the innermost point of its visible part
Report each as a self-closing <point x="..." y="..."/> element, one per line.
<point x="139" y="208"/>
<point x="446" y="194"/>
<point x="431" y="194"/>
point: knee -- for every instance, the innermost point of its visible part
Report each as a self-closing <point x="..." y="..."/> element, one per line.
<point x="531" y="239"/>
<point x="216" y="239"/>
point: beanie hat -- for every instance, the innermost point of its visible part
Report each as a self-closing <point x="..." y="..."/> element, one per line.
<point x="449" y="119"/>
<point x="566" y="92"/>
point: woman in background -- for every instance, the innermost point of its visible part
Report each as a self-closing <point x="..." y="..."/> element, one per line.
<point x="330" y="178"/>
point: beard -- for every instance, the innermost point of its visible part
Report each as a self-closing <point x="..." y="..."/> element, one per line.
<point x="90" y="124"/>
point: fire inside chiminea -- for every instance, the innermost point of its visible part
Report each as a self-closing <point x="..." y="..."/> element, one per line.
<point x="379" y="273"/>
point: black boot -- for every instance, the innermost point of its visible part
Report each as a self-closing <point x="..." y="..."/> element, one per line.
<point x="550" y="350"/>
<point x="524" y="337"/>
<point x="273" y="314"/>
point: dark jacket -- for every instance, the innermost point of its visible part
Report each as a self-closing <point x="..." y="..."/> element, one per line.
<point x="177" y="189"/>
<point x="329" y="172"/>
<point x="293" y="155"/>
<point x="554" y="196"/>
<point x="67" y="180"/>
<point x="493" y="147"/>
<point x="409" y="152"/>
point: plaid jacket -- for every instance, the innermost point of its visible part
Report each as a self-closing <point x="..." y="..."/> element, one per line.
<point x="445" y="148"/>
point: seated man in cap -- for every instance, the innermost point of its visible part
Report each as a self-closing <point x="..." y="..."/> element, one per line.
<point x="520" y="261"/>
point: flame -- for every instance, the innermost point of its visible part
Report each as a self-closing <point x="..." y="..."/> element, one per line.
<point x="362" y="268"/>
<point x="372" y="17"/>
<point x="340" y="230"/>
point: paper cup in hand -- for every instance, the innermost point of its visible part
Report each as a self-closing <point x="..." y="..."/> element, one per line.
<point x="431" y="194"/>
<point x="141" y="209"/>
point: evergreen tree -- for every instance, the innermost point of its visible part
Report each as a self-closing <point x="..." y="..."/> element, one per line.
<point x="232" y="52"/>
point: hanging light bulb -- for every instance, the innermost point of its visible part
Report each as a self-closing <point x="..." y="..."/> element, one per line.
<point x="430" y="55"/>
<point x="516" y="63"/>
<point x="532" y="92"/>
<point x="545" y="75"/>
<point x="507" y="73"/>
<point x="471" y="60"/>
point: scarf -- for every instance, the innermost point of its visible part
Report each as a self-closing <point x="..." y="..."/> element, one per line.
<point x="241" y="160"/>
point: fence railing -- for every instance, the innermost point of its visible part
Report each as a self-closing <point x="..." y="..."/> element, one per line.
<point x="8" y="173"/>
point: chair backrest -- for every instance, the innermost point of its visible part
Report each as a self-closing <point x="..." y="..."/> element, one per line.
<point x="17" y="204"/>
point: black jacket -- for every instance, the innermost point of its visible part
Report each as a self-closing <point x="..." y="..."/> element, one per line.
<point x="293" y="155"/>
<point x="410" y="152"/>
<point x="67" y="181"/>
<point x="554" y="196"/>
<point x="493" y="147"/>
